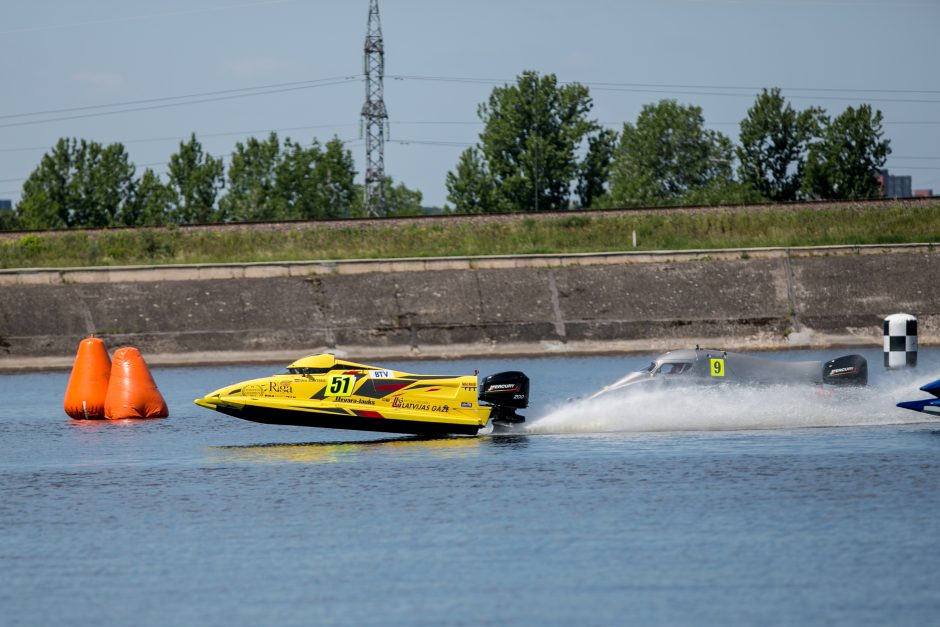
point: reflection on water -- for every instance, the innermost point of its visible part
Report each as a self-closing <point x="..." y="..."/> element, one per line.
<point x="507" y="441"/>
<point x="93" y="425"/>
<point x="332" y="452"/>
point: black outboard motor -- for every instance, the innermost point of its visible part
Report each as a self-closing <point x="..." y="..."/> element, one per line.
<point x="506" y="392"/>
<point x="846" y="370"/>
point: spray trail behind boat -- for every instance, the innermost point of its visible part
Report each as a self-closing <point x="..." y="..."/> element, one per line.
<point x="734" y="407"/>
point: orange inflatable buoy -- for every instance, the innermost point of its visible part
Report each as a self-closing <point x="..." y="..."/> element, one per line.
<point x="132" y="392"/>
<point x="88" y="383"/>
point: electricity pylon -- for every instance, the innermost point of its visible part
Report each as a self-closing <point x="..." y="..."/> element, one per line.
<point x="374" y="115"/>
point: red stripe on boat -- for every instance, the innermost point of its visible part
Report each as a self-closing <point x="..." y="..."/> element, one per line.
<point x="391" y="386"/>
<point x="363" y="413"/>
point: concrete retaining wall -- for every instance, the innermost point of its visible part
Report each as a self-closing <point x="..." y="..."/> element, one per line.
<point x="766" y="298"/>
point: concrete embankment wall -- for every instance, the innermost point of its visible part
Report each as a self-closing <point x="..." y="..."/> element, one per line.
<point x="754" y="299"/>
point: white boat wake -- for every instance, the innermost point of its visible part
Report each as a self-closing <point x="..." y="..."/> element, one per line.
<point x="726" y="408"/>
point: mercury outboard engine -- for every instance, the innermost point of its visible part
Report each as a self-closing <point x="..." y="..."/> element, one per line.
<point x="846" y="370"/>
<point x="506" y="392"/>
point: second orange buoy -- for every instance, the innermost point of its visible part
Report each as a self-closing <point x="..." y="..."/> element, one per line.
<point x="132" y="392"/>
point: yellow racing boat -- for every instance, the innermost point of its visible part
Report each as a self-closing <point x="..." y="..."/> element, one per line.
<point x="322" y="391"/>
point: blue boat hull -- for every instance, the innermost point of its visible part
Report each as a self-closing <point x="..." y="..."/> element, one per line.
<point x="926" y="406"/>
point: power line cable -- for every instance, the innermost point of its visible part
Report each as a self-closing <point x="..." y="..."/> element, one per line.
<point x="884" y="123"/>
<point x="695" y="90"/>
<point x="233" y="133"/>
<point x="499" y="81"/>
<point x="180" y="97"/>
<point x="199" y="135"/>
<point x="750" y="95"/>
<point x="274" y="88"/>
<point x="429" y="142"/>
<point x="173" y="104"/>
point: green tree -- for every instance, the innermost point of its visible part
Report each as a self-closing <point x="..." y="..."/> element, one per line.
<point x="79" y="183"/>
<point x="316" y="182"/>
<point x="47" y="201"/>
<point x="845" y="162"/>
<point x="471" y="188"/>
<point x="9" y="220"/>
<point x="297" y="186"/>
<point x="110" y="185"/>
<point x="41" y="208"/>
<point x="400" y="200"/>
<point x="252" y="192"/>
<point x="335" y="176"/>
<point x="153" y="202"/>
<point x="774" y="141"/>
<point x="668" y="155"/>
<point x="594" y="171"/>
<point x="271" y="181"/>
<point x="195" y="178"/>
<point x="531" y="133"/>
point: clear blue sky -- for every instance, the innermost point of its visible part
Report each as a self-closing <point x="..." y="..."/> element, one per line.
<point x="58" y="55"/>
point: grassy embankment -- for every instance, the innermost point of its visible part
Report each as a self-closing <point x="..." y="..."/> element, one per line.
<point x="884" y="224"/>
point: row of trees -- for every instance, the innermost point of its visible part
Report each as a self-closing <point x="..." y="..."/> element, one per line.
<point x="540" y="151"/>
<point x="83" y="183"/>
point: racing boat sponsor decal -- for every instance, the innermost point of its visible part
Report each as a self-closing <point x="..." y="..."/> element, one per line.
<point x="251" y="390"/>
<point x="357" y="401"/>
<point x="839" y="371"/>
<point x="398" y="403"/>
<point x="381" y="374"/>
<point x="270" y="389"/>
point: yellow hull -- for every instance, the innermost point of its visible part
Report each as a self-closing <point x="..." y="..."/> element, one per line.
<point x="322" y="391"/>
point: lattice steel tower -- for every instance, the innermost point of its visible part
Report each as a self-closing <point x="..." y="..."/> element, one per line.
<point x="374" y="115"/>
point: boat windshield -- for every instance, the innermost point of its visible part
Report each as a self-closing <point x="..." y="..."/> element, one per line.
<point x="307" y="370"/>
<point x="674" y="367"/>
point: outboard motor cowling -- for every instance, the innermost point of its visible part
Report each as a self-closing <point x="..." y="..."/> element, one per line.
<point x="506" y="392"/>
<point x="846" y="370"/>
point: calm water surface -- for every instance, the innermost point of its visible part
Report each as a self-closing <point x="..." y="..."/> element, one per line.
<point x="779" y="506"/>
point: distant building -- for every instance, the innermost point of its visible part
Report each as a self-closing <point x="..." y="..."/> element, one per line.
<point x="6" y="204"/>
<point x="923" y="193"/>
<point x="894" y="186"/>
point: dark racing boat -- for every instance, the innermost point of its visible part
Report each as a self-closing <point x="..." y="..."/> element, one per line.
<point x="709" y="366"/>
